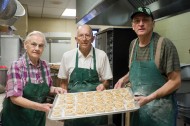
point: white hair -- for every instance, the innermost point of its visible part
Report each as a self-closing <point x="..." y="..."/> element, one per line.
<point x="28" y="37"/>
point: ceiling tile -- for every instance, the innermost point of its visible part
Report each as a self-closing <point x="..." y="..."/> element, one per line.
<point x="53" y="11"/>
<point x="50" y="8"/>
<point x="72" y="4"/>
<point x="34" y="10"/>
<point x="56" y="3"/>
<point x="32" y="2"/>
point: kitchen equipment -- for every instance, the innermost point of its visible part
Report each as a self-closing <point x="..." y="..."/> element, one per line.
<point x="3" y="78"/>
<point x="11" y="49"/>
<point x="183" y="95"/>
<point x="10" y="11"/>
<point x="184" y="107"/>
<point x="7" y="9"/>
<point x="117" y="12"/>
<point x="183" y="100"/>
<point x="185" y="72"/>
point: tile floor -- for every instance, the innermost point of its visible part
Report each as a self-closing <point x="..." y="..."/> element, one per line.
<point x="53" y="123"/>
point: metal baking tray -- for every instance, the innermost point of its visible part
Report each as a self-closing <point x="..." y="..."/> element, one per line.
<point x="92" y="103"/>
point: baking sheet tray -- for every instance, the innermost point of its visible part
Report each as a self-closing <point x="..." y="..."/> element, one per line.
<point x="92" y="103"/>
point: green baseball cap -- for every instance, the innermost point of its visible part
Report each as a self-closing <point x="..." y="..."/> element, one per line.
<point x="143" y="10"/>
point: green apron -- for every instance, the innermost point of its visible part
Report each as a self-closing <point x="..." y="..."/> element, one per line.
<point x="145" y="79"/>
<point x="18" y="116"/>
<point x="83" y="80"/>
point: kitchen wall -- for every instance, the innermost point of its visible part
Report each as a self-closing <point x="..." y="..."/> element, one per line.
<point x="50" y="25"/>
<point x="177" y="29"/>
<point x="57" y="25"/>
<point x="53" y="25"/>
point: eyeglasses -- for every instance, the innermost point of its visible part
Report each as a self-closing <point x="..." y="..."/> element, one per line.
<point x="87" y="36"/>
<point x="34" y="45"/>
<point x="144" y="20"/>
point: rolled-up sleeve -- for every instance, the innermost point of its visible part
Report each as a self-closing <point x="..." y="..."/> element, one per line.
<point x="14" y="86"/>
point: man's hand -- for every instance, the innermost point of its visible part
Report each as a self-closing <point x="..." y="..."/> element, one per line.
<point x="142" y="100"/>
<point x="119" y="84"/>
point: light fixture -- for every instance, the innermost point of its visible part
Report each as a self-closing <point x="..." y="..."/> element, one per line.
<point x="69" y="12"/>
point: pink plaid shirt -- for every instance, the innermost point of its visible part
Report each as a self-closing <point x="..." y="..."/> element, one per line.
<point x="17" y="76"/>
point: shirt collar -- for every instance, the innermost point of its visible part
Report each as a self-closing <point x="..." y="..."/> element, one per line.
<point x="30" y="62"/>
<point x="89" y="55"/>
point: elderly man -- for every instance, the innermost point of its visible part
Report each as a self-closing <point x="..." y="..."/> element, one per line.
<point x="85" y="69"/>
<point x="154" y="73"/>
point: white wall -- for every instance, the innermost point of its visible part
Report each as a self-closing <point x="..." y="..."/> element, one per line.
<point x="176" y="28"/>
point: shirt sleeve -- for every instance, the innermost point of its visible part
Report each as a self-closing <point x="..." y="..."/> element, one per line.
<point x="14" y="86"/>
<point x="169" y="57"/>
<point x="105" y="73"/>
<point x="62" y="69"/>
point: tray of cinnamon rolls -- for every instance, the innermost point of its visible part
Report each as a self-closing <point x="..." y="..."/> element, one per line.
<point x="92" y="103"/>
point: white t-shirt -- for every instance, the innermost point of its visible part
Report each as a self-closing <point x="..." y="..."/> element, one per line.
<point x="102" y="63"/>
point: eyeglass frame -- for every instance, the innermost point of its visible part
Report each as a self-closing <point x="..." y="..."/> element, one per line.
<point x="144" y="20"/>
<point x="34" y="45"/>
<point x="87" y="36"/>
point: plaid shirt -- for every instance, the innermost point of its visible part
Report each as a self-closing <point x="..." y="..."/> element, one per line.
<point x="17" y="76"/>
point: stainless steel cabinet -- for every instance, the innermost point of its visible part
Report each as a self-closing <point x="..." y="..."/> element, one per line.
<point x="53" y="52"/>
<point x="101" y="40"/>
<point x="11" y="49"/>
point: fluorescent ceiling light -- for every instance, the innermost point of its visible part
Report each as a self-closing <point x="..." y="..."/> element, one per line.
<point x="69" y="12"/>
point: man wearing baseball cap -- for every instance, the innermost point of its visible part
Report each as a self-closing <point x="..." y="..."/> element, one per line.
<point x="154" y="73"/>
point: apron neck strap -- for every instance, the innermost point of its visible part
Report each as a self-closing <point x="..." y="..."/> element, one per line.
<point x="43" y="72"/>
<point x="158" y="50"/>
<point x="151" y="47"/>
<point x="76" y="62"/>
<point x="94" y="58"/>
<point x="28" y="68"/>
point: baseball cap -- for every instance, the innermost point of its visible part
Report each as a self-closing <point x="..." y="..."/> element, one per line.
<point x="143" y="10"/>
